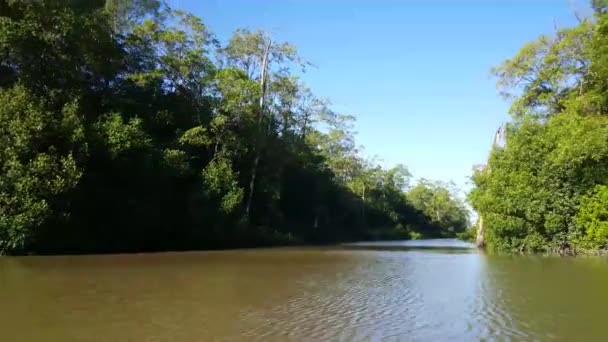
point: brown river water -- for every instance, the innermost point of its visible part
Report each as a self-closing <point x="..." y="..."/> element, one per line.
<point x="435" y="290"/>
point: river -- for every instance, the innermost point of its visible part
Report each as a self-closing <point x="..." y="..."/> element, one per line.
<point x="436" y="290"/>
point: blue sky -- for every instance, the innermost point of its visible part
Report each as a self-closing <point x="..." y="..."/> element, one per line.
<point x="414" y="73"/>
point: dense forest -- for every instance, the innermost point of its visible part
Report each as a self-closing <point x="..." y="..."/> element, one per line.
<point x="129" y="126"/>
<point x="546" y="190"/>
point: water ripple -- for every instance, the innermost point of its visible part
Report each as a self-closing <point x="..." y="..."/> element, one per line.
<point x="303" y="294"/>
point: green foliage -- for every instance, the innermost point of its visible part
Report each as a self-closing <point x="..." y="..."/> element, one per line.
<point x="124" y="14"/>
<point x="532" y="188"/>
<point x="469" y="234"/>
<point x="445" y="212"/>
<point x="544" y="191"/>
<point x="37" y="164"/>
<point x="176" y="161"/>
<point x="415" y="235"/>
<point x="126" y="126"/>
<point x="221" y="183"/>
<point x="121" y="137"/>
<point x="196" y="137"/>
<point x="592" y="219"/>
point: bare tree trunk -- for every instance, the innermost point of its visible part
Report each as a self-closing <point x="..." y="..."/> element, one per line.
<point x="500" y="141"/>
<point x="363" y="202"/>
<point x="256" y="161"/>
<point x="480" y="240"/>
<point x="304" y="127"/>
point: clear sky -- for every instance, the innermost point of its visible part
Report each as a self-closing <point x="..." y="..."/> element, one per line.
<point x="414" y="73"/>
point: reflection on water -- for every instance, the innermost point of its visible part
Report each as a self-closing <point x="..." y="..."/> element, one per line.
<point x="547" y="298"/>
<point x="439" y="243"/>
<point x="304" y="294"/>
<point x="443" y="245"/>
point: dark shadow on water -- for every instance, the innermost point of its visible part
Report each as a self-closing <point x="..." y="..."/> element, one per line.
<point x="409" y="248"/>
<point x="436" y="245"/>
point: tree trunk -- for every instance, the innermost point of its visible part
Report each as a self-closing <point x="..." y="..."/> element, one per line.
<point x="480" y="241"/>
<point x="256" y="161"/>
<point x="363" y="203"/>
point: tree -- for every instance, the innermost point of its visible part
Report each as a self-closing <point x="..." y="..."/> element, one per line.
<point x="39" y="163"/>
<point x="541" y="192"/>
<point x="127" y="126"/>
<point x="443" y="208"/>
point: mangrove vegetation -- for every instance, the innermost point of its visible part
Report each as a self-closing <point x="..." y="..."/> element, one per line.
<point x="126" y="125"/>
<point x="546" y="189"/>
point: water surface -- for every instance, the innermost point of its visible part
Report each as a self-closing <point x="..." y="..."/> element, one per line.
<point x="343" y="293"/>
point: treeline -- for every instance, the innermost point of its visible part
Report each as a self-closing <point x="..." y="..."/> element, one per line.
<point x="546" y="190"/>
<point x="442" y="207"/>
<point x="127" y="126"/>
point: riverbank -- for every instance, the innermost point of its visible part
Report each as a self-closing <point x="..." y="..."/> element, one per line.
<point x="259" y="238"/>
